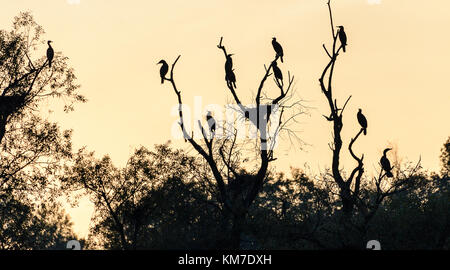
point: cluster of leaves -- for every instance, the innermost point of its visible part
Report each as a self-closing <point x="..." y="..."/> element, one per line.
<point x="153" y="202"/>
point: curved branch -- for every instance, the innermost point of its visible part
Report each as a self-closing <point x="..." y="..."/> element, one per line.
<point x="359" y="168"/>
<point x="207" y="156"/>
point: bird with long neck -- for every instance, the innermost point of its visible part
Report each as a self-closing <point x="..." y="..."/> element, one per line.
<point x="50" y="53"/>
<point x="164" y="69"/>
<point x="229" y="63"/>
<point x="385" y="164"/>
<point x="230" y="78"/>
<point x="211" y="123"/>
<point x="342" y="37"/>
<point x="362" y="121"/>
<point x="278" y="49"/>
<point x="277" y="72"/>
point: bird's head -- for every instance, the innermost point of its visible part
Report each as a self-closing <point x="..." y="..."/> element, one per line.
<point x="274" y="38"/>
<point x="208" y="113"/>
<point x="386" y="150"/>
<point x="229" y="55"/>
<point x="341" y="27"/>
<point x="359" y="110"/>
<point x="161" y="62"/>
<point x="274" y="63"/>
<point x="48" y="42"/>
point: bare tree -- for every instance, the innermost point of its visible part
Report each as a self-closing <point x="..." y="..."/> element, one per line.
<point x="236" y="188"/>
<point x="335" y="117"/>
<point x="350" y="187"/>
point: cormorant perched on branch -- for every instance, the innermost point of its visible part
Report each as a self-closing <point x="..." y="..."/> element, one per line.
<point x="362" y="121"/>
<point x="230" y="77"/>
<point x="342" y="37"/>
<point x="278" y="49"/>
<point x="164" y="69"/>
<point x="385" y="164"/>
<point x="211" y="123"/>
<point x="277" y="72"/>
<point x="50" y="53"/>
<point x="229" y="63"/>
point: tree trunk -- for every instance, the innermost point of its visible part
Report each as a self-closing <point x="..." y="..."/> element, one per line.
<point x="236" y="230"/>
<point x="347" y="202"/>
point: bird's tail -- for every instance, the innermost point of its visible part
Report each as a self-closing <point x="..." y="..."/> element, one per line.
<point x="50" y="64"/>
<point x="343" y="48"/>
<point x="281" y="58"/>
<point x="365" y="131"/>
<point x="162" y="80"/>
<point x="389" y="174"/>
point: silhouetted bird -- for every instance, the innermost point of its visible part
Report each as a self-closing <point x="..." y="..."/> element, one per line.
<point x="50" y="53"/>
<point x="230" y="77"/>
<point x="342" y="37"/>
<point x="211" y="123"/>
<point x="277" y="72"/>
<point x="362" y="121"/>
<point x="278" y="49"/>
<point x="229" y="63"/>
<point x="385" y="164"/>
<point x="164" y="69"/>
<point x="247" y="115"/>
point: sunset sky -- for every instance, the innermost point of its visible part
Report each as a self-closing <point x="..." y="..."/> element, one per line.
<point x="395" y="68"/>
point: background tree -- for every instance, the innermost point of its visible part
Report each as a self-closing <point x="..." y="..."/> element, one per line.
<point x="153" y="203"/>
<point x="29" y="226"/>
<point x="445" y="159"/>
<point x="32" y="148"/>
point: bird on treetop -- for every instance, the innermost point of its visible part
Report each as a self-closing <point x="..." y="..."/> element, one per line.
<point x="385" y="164"/>
<point x="362" y="121"/>
<point x="50" y="53"/>
<point x="164" y="69"/>
<point x="229" y="63"/>
<point x="342" y="37"/>
<point x="211" y="122"/>
<point x="278" y="49"/>
<point x="277" y="72"/>
<point x="230" y="78"/>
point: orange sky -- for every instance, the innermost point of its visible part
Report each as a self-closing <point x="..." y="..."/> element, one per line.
<point x="396" y="68"/>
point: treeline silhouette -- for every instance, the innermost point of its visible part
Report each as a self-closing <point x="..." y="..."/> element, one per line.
<point x="166" y="198"/>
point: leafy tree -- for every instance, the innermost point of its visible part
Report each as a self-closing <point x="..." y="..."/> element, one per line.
<point x="29" y="226"/>
<point x="154" y="202"/>
<point x="32" y="148"/>
<point x="445" y="159"/>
